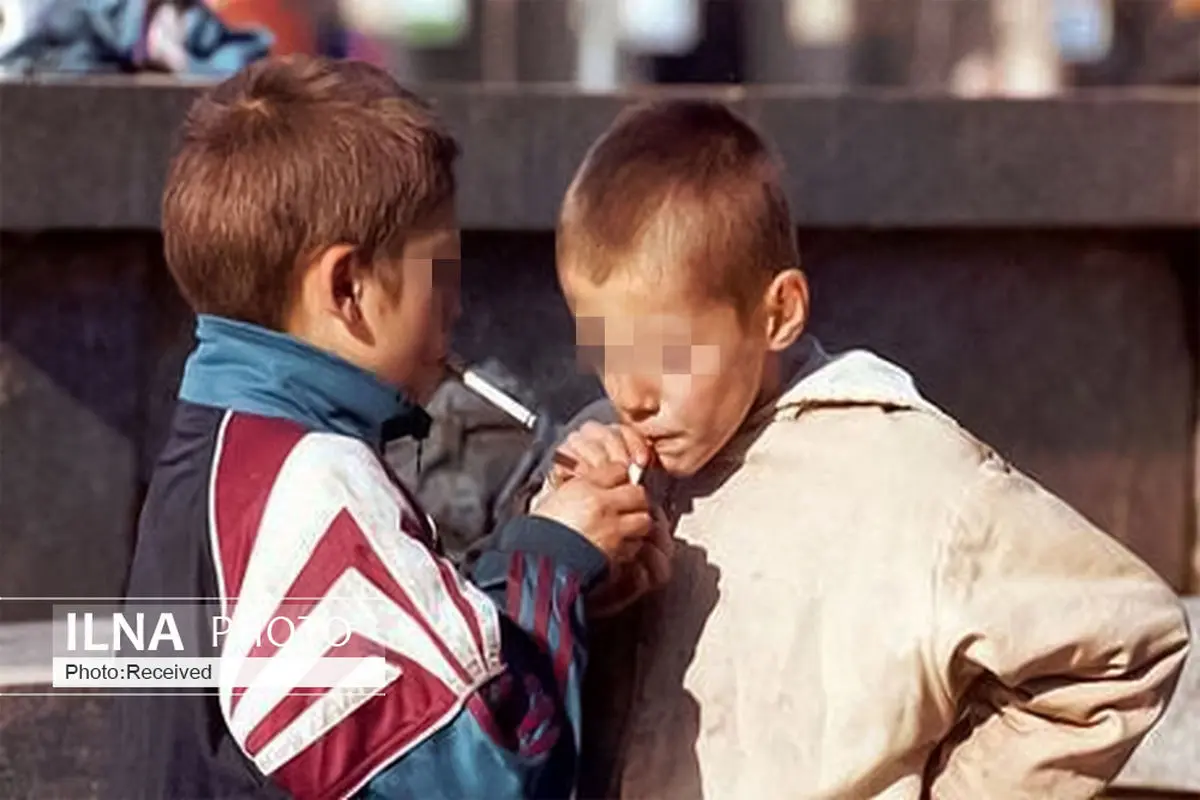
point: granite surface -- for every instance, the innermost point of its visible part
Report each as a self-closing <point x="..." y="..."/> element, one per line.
<point x="92" y="154"/>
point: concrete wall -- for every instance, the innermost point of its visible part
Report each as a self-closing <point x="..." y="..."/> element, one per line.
<point x="1127" y="160"/>
<point x="1073" y="353"/>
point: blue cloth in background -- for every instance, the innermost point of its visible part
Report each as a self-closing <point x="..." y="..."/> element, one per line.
<point x="104" y="36"/>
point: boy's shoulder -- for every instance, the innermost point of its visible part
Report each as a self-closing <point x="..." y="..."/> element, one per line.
<point x="871" y="436"/>
<point x="921" y="470"/>
<point x="862" y="462"/>
<point x="262" y="447"/>
<point x="867" y="440"/>
<point x="859" y="414"/>
<point x="235" y="457"/>
<point x="285" y="473"/>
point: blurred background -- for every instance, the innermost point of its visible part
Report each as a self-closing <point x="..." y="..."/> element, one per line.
<point x="964" y="47"/>
<point x="1003" y="196"/>
<point x="967" y="48"/>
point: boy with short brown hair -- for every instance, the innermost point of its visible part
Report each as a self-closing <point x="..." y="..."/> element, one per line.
<point x="287" y="156"/>
<point x="309" y="220"/>
<point x="866" y="600"/>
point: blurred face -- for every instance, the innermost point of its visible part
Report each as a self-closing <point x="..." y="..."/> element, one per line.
<point x="392" y="319"/>
<point x="412" y="332"/>
<point x="685" y="373"/>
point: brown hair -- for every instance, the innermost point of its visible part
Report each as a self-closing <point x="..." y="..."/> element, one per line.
<point x="288" y="157"/>
<point x="687" y="182"/>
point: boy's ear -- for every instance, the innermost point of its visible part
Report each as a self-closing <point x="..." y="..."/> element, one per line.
<point x="335" y="284"/>
<point x="787" y="309"/>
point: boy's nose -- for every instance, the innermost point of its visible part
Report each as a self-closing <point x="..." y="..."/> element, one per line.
<point x="637" y="397"/>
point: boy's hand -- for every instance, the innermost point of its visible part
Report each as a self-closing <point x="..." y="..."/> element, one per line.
<point x="627" y="583"/>
<point x="594" y="446"/>
<point x="608" y="510"/>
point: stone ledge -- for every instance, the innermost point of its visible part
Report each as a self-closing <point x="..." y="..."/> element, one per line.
<point x="27" y="650"/>
<point x="93" y="153"/>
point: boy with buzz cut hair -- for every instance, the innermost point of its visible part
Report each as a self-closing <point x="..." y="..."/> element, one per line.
<point x="309" y="220"/>
<point x="866" y="600"/>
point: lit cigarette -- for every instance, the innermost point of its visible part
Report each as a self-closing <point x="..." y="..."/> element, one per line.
<point x="485" y="389"/>
<point x="497" y="397"/>
<point x="570" y="464"/>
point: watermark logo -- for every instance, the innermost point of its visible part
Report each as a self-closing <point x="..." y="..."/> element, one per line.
<point x="287" y="647"/>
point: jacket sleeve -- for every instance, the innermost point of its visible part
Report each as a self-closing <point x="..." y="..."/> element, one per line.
<point x="538" y="574"/>
<point x="520" y="735"/>
<point x="1059" y="648"/>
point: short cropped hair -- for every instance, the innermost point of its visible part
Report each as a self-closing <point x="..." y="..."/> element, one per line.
<point x="286" y="158"/>
<point x="681" y="185"/>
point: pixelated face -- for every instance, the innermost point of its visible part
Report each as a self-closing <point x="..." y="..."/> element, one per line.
<point x="683" y="372"/>
<point x="414" y="330"/>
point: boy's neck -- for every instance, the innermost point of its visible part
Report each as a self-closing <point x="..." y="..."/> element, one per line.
<point x="771" y="386"/>
<point x="780" y="371"/>
<point x="248" y="368"/>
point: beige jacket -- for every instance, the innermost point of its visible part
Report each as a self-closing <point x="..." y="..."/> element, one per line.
<point x="868" y="602"/>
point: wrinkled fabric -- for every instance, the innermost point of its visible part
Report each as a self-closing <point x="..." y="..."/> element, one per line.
<point x="465" y="465"/>
<point x="102" y="36"/>
<point x="868" y="602"/>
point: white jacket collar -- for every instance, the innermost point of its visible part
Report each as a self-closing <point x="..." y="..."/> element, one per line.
<point x="856" y="377"/>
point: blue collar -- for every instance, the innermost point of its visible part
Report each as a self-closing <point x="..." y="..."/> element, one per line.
<point x="254" y="370"/>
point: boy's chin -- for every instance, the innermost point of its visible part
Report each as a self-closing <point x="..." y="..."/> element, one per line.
<point x="423" y="391"/>
<point x="682" y="464"/>
<point x="421" y="385"/>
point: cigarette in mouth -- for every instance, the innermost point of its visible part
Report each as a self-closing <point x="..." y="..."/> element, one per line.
<point x="471" y="378"/>
<point x="566" y="462"/>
